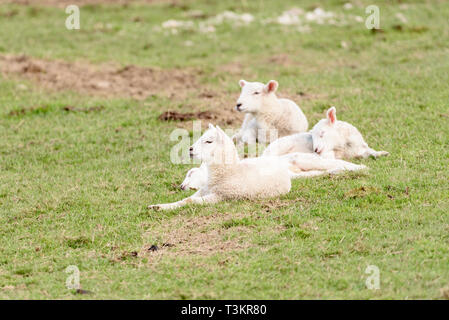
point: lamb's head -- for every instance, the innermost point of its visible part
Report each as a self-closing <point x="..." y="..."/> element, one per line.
<point x="195" y="179"/>
<point x="214" y="146"/>
<point x="325" y="135"/>
<point x="254" y="94"/>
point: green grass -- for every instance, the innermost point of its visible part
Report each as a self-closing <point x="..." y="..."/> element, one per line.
<point x="74" y="186"/>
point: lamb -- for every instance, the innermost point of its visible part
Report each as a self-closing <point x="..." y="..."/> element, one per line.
<point x="302" y="165"/>
<point x="195" y="178"/>
<point x="338" y="139"/>
<point x="330" y="138"/>
<point x="228" y="177"/>
<point x="267" y="117"/>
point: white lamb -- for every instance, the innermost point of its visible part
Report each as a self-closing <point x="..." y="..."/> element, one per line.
<point x="267" y="117"/>
<point x="228" y="177"/>
<point x="195" y="178"/>
<point x="301" y="165"/>
<point x="299" y="142"/>
<point x="330" y="138"/>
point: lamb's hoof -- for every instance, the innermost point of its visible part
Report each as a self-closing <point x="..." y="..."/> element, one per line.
<point x="154" y="207"/>
<point x="379" y="154"/>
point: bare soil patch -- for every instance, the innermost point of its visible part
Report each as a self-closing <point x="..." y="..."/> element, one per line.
<point x="110" y="80"/>
<point x="222" y="105"/>
<point x="212" y="106"/>
<point x="101" y="80"/>
<point x="196" y="235"/>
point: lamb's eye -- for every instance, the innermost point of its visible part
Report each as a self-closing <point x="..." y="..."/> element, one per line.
<point x="256" y="92"/>
<point x="208" y="141"/>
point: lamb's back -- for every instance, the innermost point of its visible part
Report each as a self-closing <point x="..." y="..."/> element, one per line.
<point x="253" y="178"/>
<point x="298" y="142"/>
<point x="296" y="117"/>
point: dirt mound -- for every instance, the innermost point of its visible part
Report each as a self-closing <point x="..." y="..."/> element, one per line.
<point x="216" y="116"/>
<point x="102" y="80"/>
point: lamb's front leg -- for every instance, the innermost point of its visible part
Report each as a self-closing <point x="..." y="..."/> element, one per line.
<point x="338" y="166"/>
<point x="195" y="199"/>
<point x="373" y="153"/>
<point x="246" y="132"/>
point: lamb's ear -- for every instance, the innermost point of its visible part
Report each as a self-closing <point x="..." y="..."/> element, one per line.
<point x="271" y="86"/>
<point x="211" y="126"/>
<point x="242" y="83"/>
<point x="220" y="133"/>
<point x="332" y="115"/>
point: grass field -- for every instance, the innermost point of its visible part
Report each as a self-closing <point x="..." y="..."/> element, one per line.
<point x="81" y="161"/>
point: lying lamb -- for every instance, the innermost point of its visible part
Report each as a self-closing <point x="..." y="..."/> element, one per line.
<point x="267" y="117"/>
<point x="301" y="165"/>
<point x="228" y="177"/>
<point x="330" y="138"/>
<point x="195" y="178"/>
<point x="299" y="142"/>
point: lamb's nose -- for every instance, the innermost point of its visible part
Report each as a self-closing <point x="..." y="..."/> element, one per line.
<point x="191" y="149"/>
<point x="316" y="150"/>
<point x="238" y="106"/>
